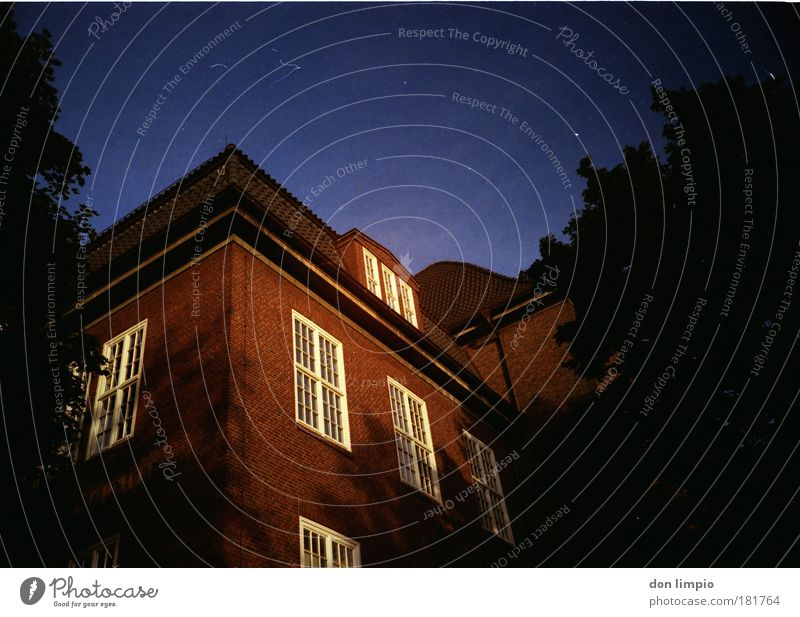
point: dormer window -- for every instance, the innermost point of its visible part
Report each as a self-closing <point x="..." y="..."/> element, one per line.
<point x="371" y="268"/>
<point x="390" y="288"/>
<point x="407" y="297"/>
<point x="396" y="292"/>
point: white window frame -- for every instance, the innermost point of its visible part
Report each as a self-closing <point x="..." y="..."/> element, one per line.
<point x="392" y="298"/>
<point x="371" y="267"/>
<point x="319" y="382"/>
<point x="330" y="536"/>
<point x="404" y="435"/>
<point x="491" y="499"/>
<point x="108" y="546"/>
<point x="101" y="394"/>
<point x="407" y="298"/>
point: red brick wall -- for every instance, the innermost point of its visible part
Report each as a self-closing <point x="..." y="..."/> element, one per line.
<point x="248" y="469"/>
<point x="534" y="360"/>
<point x="284" y="471"/>
<point x="125" y="490"/>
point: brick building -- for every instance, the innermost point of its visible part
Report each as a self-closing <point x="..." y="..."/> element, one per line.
<point x="280" y="394"/>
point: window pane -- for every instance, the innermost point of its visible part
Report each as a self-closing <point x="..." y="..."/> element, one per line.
<point x="303" y="345"/>
<point x="314" y="554"/>
<point x="323" y="548"/>
<point x="425" y="470"/>
<point x="332" y="414"/>
<point x="319" y="375"/>
<point x="417" y="423"/>
<point x="405" y="455"/>
<point x="329" y="368"/>
<point x="115" y="403"/>
<point x="398" y="408"/>
<point x="306" y="399"/>
<point x="483" y="465"/>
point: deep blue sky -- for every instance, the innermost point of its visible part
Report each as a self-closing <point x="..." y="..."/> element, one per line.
<point x="442" y="181"/>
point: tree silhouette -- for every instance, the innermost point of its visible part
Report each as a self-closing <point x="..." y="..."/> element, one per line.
<point x="711" y="225"/>
<point x="46" y="359"/>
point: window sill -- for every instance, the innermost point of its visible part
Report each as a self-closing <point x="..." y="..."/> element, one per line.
<point x="108" y="449"/>
<point x="418" y="490"/>
<point x="324" y="439"/>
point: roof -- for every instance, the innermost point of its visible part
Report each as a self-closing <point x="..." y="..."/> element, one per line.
<point x="454" y="292"/>
<point x="232" y="168"/>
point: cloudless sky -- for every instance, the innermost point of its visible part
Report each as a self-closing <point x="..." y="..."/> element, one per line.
<point x="304" y="89"/>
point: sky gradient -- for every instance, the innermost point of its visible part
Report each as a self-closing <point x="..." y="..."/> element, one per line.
<point x="309" y="90"/>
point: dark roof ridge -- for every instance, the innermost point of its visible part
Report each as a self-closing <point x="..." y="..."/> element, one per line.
<point x="282" y="190"/>
<point x="128" y="218"/>
<point x="230" y="151"/>
<point x="469" y="265"/>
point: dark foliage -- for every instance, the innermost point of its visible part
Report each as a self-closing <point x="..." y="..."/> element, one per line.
<point x="46" y="360"/>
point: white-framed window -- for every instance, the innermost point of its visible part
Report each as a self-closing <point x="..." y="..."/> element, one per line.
<point x="407" y="296"/>
<point x="117" y="396"/>
<point x="320" y="397"/>
<point x="104" y="554"/>
<point x="371" y="268"/>
<point x="485" y="475"/>
<point x="390" y="288"/>
<point x="321" y="547"/>
<point x="415" y="457"/>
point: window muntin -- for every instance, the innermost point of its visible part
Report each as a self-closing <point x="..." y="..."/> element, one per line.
<point x="415" y="456"/>
<point x="390" y="288"/>
<point x="117" y="395"/>
<point x="321" y="547"/>
<point x="102" y="555"/>
<point x="371" y="268"/>
<point x="407" y="296"/>
<point x="485" y="475"/>
<point x="320" y="397"/>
